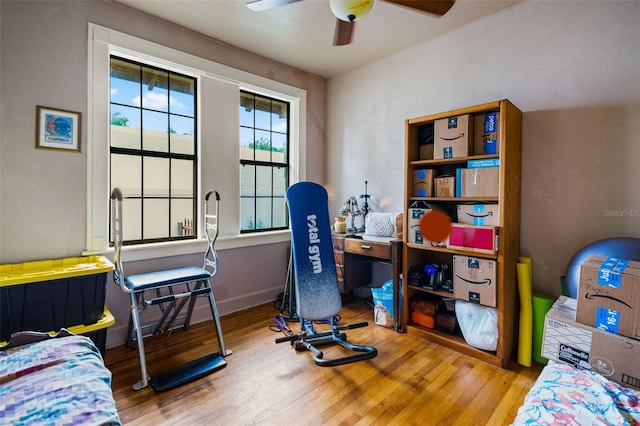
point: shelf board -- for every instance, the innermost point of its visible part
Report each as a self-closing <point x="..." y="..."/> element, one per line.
<point x="455" y="199"/>
<point x="482" y="108"/>
<point x="455" y="342"/>
<point x="452" y="251"/>
<point x="454" y="160"/>
<point x="441" y="293"/>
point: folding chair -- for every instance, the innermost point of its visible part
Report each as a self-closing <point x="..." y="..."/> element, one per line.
<point x="170" y="290"/>
<point x="316" y="281"/>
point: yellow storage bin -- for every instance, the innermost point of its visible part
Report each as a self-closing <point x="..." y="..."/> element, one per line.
<point x="51" y="294"/>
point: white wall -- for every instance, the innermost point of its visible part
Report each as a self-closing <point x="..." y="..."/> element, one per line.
<point x="572" y="67"/>
<point x="43" y="193"/>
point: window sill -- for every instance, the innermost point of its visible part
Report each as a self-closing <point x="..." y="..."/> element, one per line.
<point x="177" y="248"/>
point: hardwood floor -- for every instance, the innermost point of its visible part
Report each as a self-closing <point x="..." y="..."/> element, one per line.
<point x="410" y="381"/>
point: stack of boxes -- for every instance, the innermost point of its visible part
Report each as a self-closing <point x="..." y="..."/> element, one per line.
<point x="476" y="230"/>
<point x="461" y="136"/>
<point x="600" y="330"/>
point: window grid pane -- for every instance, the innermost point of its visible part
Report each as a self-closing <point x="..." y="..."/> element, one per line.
<point x="153" y="146"/>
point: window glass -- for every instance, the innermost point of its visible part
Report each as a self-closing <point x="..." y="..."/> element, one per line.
<point x="155" y="219"/>
<point x="125" y="83"/>
<point x="182" y="178"/>
<point x="181" y="134"/>
<point x="125" y="127"/>
<point x="181" y="215"/>
<point x="182" y="95"/>
<point x="155" y="89"/>
<point x="155" y="177"/>
<point x="155" y="134"/>
<point x="128" y="176"/>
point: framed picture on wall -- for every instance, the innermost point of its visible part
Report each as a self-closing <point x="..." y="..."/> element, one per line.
<point x="57" y="129"/>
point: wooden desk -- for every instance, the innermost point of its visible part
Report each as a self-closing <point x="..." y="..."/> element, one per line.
<point x="353" y="258"/>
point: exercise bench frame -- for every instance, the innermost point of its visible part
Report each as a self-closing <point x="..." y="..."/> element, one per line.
<point x="158" y="288"/>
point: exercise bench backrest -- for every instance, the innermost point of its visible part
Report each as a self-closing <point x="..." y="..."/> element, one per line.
<point x="317" y="292"/>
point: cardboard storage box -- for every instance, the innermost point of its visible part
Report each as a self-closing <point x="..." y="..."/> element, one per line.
<point x="423" y="182"/>
<point x="479" y="214"/>
<point x="453" y="137"/>
<point x="413" y="223"/>
<point x="479" y="182"/>
<point x="613" y="356"/>
<point x="445" y="187"/>
<point x="48" y="295"/>
<point x="474" y="280"/>
<point x="609" y="295"/>
<point x="486" y="133"/>
<point x="480" y="239"/>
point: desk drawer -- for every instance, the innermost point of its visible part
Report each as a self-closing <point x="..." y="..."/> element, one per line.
<point x="368" y="248"/>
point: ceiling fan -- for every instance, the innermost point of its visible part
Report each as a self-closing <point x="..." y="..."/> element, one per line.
<point x="348" y="10"/>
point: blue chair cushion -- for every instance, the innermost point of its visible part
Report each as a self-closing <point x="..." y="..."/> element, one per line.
<point x="621" y="247"/>
<point x="166" y="277"/>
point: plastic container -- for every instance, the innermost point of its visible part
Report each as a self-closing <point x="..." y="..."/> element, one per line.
<point x="97" y="332"/>
<point x="48" y="295"/>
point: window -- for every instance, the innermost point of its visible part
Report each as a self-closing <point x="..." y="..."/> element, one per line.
<point x="264" y="162"/>
<point x="194" y="150"/>
<point x="153" y="150"/>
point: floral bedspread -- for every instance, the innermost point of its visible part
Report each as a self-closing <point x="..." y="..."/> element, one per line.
<point x="564" y="395"/>
<point x="59" y="381"/>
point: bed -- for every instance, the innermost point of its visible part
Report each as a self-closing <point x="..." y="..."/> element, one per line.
<point x="566" y="395"/>
<point x="57" y="380"/>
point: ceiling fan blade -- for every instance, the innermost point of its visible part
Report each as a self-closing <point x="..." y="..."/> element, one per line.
<point x="260" y="5"/>
<point x="343" y="33"/>
<point x="436" y="7"/>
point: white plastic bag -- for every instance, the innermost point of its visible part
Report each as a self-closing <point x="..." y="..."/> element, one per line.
<point x="479" y="325"/>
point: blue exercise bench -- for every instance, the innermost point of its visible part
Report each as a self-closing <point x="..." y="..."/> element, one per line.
<point x="316" y="282"/>
<point x="170" y="290"/>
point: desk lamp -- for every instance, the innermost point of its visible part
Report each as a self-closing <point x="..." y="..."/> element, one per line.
<point x="350" y="208"/>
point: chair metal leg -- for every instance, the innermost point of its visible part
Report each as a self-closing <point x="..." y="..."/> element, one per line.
<point x="216" y="318"/>
<point x="135" y="317"/>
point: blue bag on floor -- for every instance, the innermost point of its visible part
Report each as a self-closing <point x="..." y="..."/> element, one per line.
<point x="383" y="313"/>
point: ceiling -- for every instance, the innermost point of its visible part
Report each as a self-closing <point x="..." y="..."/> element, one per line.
<point x="301" y="34"/>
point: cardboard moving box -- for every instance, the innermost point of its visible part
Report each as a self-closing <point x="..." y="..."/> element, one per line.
<point x="445" y="187"/>
<point x="479" y="214"/>
<point x="453" y="137"/>
<point x="413" y="223"/>
<point x="479" y="182"/>
<point x="486" y="133"/>
<point x="474" y="280"/>
<point x="423" y="182"/>
<point x="609" y="295"/>
<point x="566" y="340"/>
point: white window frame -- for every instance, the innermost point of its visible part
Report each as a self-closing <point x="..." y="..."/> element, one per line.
<point x="102" y="43"/>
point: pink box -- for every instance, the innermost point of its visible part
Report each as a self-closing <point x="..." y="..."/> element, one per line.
<point x="481" y="239"/>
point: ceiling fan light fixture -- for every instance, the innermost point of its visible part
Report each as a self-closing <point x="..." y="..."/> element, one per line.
<point x="350" y="10"/>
